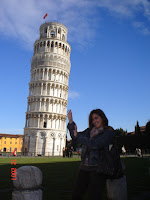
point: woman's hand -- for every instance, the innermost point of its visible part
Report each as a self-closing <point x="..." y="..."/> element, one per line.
<point x="69" y="114"/>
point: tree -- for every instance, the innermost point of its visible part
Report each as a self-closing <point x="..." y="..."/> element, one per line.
<point x="147" y="128"/>
<point x="120" y="132"/>
<point x="137" y="129"/>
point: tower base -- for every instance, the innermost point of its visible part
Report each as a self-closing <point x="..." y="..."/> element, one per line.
<point x="48" y="142"/>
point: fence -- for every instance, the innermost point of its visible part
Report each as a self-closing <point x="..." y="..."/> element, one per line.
<point x="144" y="152"/>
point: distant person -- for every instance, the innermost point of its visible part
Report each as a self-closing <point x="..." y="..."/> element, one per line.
<point x="138" y="151"/>
<point x="71" y="152"/>
<point x="123" y="150"/>
<point x="79" y="153"/>
<point x="15" y="152"/>
<point x="94" y="139"/>
<point x="64" y="152"/>
<point x="67" y="152"/>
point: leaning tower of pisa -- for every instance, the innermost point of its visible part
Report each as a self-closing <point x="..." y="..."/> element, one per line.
<point x="45" y="127"/>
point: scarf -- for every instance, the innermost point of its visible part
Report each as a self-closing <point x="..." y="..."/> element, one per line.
<point x="95" y="131"/>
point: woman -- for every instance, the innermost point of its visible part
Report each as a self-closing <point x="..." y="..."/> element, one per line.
<point x="94" y="139"/>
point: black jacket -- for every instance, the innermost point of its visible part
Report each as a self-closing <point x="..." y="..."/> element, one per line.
<point x="91" y="147"/>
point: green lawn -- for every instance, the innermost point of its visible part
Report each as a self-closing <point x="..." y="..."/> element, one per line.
<point x="59" y="175"/>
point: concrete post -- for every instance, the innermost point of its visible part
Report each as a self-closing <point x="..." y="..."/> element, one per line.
<point x="27" y="185"/>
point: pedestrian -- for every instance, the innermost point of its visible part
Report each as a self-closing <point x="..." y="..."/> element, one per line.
<point x="15" y="152"/>
<point x="138" y="151"/>
<point x="64" y="152"/>
<point x="94" y="139"/>
<point x="123" y="150"/>
<point x="71" y="152"/>
<point x="79" y="153"/>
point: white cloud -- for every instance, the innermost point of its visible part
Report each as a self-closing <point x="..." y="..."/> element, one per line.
<point x="126" y="8"/>
<point x="73" y="95"/>
<point x="142" y="27"/>
<point x="21" y="18"/>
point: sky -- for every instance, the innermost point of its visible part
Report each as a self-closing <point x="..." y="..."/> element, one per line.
<point x="110" y="58"/>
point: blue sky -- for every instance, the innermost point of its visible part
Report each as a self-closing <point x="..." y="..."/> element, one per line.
<point x="110" y="58"/>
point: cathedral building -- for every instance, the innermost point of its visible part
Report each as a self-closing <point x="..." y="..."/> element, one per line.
<point x="45" y="127"/>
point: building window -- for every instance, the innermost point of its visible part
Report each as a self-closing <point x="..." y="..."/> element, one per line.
<point x="11" y="138"/>
<point x="5" y="138"/>
<point x="10" y="142"/>
<point x="15" y="142"/>
<point x="52" y="34"/>
<point x="5" y="142"/>
<point x="48" y="43"/>
<point x="10" y="149"/>
<point x="45" y="31"/>
<point x="45" y="124"/>
<point x="59" y="30"/>
<point x="52" y="44"/>
<point x="63" y="37"/>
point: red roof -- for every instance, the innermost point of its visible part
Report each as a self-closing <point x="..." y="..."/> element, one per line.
<point x="10" y="135"/>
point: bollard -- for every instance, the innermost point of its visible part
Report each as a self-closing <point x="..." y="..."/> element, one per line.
<point x="27" y="185"/>
<point x="117" y="189"/>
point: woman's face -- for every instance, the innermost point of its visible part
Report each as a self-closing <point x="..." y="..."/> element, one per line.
<point x="97" y="121"/>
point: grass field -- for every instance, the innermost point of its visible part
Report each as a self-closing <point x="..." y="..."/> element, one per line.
<point x="59" y="175"/>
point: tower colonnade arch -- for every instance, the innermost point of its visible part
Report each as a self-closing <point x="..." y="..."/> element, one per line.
<point x="50" y="60"/>
<point x="48" y="89"/>
<point x="45" y="121"/>
<point x="46" y="104"/>
<point x="49" y="74"/>
<point x="53" y="46"/>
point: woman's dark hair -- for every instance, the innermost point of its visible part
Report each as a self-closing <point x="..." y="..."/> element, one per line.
<point x="101" y="114"/>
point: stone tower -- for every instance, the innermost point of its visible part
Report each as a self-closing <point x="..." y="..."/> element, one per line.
<point x="45" y="128"/>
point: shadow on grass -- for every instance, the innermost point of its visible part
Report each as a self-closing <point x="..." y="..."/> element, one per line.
<point x="59" y="177"/>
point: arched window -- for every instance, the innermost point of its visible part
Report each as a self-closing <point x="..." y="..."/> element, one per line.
<point x="41" y="44"/>
<point x="45" y="30"/>
<point x="44" y="125"/>
<point x="52" y="34"/>
<point x="48" y="43"/>
<point x="52" y="44"/>
<point x="59" y="30"/>
<point x="44" y="43"/>
<point x="63" y="37"/>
